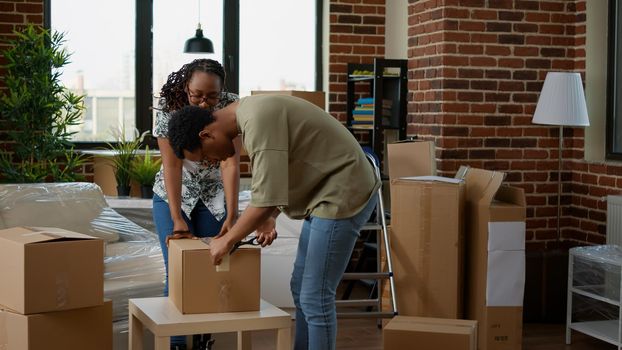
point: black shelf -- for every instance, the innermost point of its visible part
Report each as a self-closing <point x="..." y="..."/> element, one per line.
<point x="379" y="86"/>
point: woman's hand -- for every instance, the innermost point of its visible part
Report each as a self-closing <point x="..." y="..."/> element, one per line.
<point x="227" y="225"/>
<point x="266" y="232"/>
<point x="180" y="226"/>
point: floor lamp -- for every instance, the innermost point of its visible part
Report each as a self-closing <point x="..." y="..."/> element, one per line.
<point x="562" y="103"/>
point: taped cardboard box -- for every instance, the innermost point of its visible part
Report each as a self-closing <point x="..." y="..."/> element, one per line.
<point x="427" y="246"/>
<point x="50" y="269"/>
<point x="197" y="286"/>
<point x="495" y="258"/>
<point x="318" y="98"/>
<point x="85" y="328"/>
<point x="403" y="332"/>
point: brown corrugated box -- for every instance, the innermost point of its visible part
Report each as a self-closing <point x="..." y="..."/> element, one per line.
<point x="495" y="258"/>
<point x="404" y="332"/>
<point x="50" y="269"/>
<point x="195" y="285"/>
<point x="411" y="158"/>
<point x="85" y="328"/>
<point x="318" y="98"/>
<point x="427" y="246"/>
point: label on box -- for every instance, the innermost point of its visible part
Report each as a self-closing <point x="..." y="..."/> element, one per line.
<point x="506" y="235"/>
<point x="505" y="278"/>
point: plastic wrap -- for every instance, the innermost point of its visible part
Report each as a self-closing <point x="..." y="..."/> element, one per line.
<point x="133" y="263"/>
<point x="595" y="274"/>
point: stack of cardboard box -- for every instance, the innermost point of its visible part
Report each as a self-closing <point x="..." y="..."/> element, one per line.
<point x="458" y="251"/>
<point x="51" y="296"/>
<point x="197" y="286"/>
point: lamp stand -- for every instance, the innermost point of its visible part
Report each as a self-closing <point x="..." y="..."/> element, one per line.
<point x="559" y="182"/>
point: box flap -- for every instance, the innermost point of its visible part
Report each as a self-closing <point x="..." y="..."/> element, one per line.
<point x="28" y="235"/>
<point x="513" y="195"/>
<point x="481" y="185"/>
<point x="431" y="178"/>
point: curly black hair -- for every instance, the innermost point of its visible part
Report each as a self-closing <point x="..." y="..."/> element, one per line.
<point x="184" y="128"/>
<point x="173" y="92"/>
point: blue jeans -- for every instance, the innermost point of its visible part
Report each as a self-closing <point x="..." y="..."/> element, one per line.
<point x="201" y="223"/>
<point x="324" y="250"/>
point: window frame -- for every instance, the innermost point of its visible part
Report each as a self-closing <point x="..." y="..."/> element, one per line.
<point x="613" y="69"/>
<point x="144" y="53"/>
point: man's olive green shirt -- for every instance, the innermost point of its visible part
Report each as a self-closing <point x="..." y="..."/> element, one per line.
<point x="303" y="160"/>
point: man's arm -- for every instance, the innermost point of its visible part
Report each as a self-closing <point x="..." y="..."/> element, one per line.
<point x="248" y="222"/>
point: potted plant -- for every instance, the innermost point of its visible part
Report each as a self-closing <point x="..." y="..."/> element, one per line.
<point x="39" y="114"/>
<point x="144" y="170"/>
<point x="124" y="152"/>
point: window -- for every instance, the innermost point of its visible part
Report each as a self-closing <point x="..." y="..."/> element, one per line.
<point x="123" y="55"/>
<point x="277" y="48"/>
<point x="102" y="63"/>
<point x="614" y="84"/>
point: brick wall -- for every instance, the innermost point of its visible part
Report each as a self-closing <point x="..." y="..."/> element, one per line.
<point x="476" y="70"/>
<point x="357" y="29"/>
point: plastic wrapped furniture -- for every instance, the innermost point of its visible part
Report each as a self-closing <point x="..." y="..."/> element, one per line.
<point x="133" y="264"/>
<point x="594" y="286"/>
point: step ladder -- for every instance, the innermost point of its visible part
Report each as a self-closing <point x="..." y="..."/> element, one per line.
<point x="380" y="226"/>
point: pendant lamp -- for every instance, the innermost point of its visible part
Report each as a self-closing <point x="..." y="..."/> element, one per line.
<point x="198" y="43"/>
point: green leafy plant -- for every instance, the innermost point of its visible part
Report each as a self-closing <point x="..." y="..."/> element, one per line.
<point x="145" y="168"/>
<point x="124" y="154"/>
<point x="40" y="115"/>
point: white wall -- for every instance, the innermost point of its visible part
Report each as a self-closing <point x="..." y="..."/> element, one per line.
<point x="596" y="79"/>
<point x="396" y="31"/>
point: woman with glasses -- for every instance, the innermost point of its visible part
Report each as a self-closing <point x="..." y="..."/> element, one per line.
<point x="199" y="198"/>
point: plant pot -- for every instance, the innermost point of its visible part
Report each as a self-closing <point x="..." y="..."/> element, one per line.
<point x="123" y="191"/>
<point x="146" y="191"/>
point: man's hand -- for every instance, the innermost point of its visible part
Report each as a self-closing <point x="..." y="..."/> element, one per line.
<point x="218" y="248"/>
<point x="266" y="232"/>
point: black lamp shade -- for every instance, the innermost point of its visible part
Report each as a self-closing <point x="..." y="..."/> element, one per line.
<point x="199" y="44"/>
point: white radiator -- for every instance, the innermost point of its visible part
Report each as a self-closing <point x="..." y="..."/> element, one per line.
<point x="614" y="220"/>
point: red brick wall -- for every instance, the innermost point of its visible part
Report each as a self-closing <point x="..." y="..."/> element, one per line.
<point x="357" y="29"/>
<point x="476" y="70"/>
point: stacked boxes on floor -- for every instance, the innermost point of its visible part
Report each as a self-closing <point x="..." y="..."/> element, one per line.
<point x="458" y="251"/>
<point x="51" y="296"/>
<point x="197" y="286"/>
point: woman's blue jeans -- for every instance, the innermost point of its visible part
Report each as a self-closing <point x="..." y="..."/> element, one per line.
<point x="201" y="223"/>
<point x="324" y="251"/>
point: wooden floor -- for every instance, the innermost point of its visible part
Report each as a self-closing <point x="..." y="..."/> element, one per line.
<point x="363" y="334"/>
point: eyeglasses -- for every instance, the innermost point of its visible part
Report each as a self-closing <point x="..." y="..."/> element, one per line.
<point x="198" y="99"/>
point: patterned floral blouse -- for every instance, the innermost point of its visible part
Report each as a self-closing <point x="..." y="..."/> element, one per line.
<point x="199" y="180"/>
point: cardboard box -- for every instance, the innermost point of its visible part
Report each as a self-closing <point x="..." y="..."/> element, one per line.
<point x="411" y="158"/>
<point x="402" y="332"/>
<point x="318" y="98"/>
<point x="85" y="328"/>
<point x="427" y="246"/>
<point x="195" y="285"/>
<point x="50" y="269"/>
<point x="495" y="258"/>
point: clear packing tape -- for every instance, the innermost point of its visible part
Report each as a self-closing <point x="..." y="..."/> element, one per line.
<point x="596" y="270"/>
<point x="133" y="263"/>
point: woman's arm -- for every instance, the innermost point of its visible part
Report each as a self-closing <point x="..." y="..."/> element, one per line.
<point x="230" y="171"/>
<point x="172" y="183"/>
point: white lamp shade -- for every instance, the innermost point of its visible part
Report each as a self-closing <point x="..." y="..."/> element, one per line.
<point x="562" y="101"/>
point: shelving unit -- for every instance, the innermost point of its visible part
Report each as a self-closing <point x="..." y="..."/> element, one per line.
<point x="388" y="83"/>
<point x="594" y="273"/>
